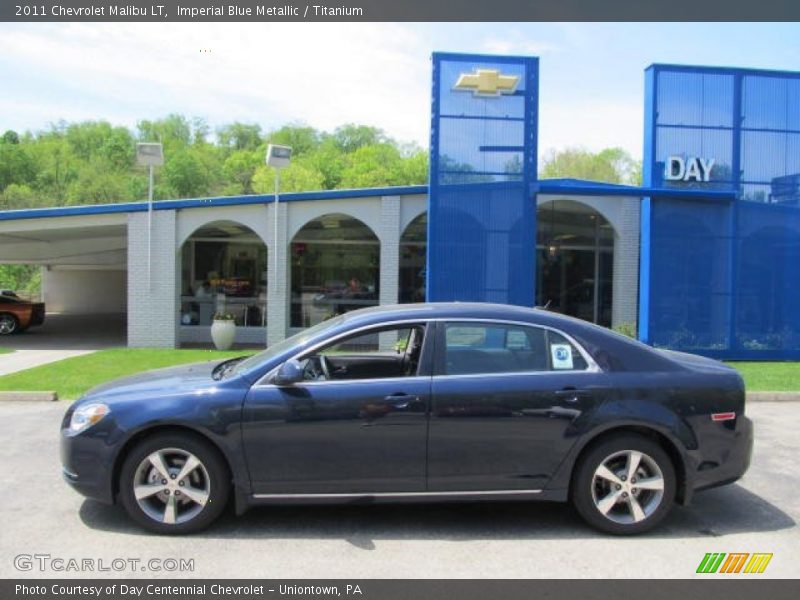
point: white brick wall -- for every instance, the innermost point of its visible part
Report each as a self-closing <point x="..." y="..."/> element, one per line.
<point x="153" y="303"/>
<point x="626" y="264"/>
<point x="389" y="235"/>
<point x="278" y="288"/>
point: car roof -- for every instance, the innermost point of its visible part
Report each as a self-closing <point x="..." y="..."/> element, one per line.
<point x="463" y="310"/>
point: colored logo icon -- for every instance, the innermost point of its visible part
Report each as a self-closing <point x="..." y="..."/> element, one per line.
<point x="487" y="82"/>
<point x="734" y="562"/>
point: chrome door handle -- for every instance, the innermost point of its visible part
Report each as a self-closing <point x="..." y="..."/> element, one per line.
<point x="401" y="400"/>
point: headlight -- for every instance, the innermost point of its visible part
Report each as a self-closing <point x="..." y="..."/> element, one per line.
<point x="86" y="416"/>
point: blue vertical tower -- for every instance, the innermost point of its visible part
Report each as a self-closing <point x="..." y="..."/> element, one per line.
<point x="482" y="213"/>
<point x="720" y="274"/>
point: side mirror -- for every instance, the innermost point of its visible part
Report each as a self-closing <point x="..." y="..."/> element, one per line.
<point x="288" y="373"/>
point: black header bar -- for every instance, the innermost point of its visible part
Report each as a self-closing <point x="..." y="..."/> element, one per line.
<point x="399" y="10"/>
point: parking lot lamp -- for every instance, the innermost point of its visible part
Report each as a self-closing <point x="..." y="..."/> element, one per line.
<point x="278" y="157"/>
<point x="149" y="155"/>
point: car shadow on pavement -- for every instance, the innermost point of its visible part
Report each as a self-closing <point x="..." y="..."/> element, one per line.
<point x="724" y="511"/>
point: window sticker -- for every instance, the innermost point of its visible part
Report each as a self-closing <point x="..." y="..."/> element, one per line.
<point x="562" y="356"/>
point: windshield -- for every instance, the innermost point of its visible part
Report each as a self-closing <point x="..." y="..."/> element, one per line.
<point x="297" y="340"/>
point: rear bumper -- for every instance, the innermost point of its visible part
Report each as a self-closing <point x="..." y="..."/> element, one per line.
<point x="727" y="464"/>
<point x="37" y="315"/>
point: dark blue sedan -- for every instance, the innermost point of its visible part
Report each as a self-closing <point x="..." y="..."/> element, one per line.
<point x="426" y="402"/>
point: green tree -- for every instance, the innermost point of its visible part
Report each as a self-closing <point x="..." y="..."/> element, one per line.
<point x="173" y="131"/>
<point x="612" y="165"/>
<point x="16" y="164"/>
<point x="21" y="278"/>
<point x="239" y="169"/>
<point x="17" y="196"/>
<point x="416" y="168"/>
<point x="186" y="173"/>
<point x="350" y="137"/>
<point x="10" y="137"/>
<point x="373" y="166"/>
<point x="297" y="177"/>
<point x="301" y="138"/>
<point x="240" y="136"/>
<point x="97" y="182"/>
<point x="56" y="167"/>
<point x="330" y="161"/>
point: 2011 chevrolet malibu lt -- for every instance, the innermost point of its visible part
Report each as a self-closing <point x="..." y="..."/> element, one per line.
<point x="419" y="402"/>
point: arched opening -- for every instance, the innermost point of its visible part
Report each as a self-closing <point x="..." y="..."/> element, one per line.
<point x="575" y="261"/>
<point x="335" y="269"/>
<point x="223" y="269"/>
<point x="413" y="258"/>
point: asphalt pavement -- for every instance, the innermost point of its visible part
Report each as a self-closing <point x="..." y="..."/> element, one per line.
<point x="42" y="516"/>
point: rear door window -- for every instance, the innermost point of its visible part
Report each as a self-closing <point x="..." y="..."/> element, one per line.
<point x="478" y="348"/>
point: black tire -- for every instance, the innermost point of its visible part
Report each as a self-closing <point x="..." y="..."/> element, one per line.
<point x="210" y="480"/>
<point x="9" y="324"/>
<point x="591" y="493"/>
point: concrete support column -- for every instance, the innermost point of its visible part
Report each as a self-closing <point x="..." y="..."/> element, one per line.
<point x="626" y="265"/>
<point x="278" y="293"/>
<point x="389" y="235"/>
<point x="153" y="302"/>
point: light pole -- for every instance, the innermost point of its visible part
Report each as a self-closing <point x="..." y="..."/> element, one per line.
<point x="149" y="155"/>
<point x="278" y="157"/>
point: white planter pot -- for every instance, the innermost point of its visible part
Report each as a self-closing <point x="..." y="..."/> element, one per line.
<point x="223" y="334"/>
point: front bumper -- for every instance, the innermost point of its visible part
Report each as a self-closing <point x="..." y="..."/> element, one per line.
<point x="87" y="465"/>
<point x="727" y="455"/>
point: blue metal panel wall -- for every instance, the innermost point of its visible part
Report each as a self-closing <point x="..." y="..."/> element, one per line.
<point x="482" y="218"/>
<point x="723" y="278"/>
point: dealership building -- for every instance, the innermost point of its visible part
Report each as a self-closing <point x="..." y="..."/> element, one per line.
<point x="704" y="256"/>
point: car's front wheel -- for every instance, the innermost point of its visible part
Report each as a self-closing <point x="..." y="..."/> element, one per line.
<point x="624" y="485"/>
<point x="174" y="483"/>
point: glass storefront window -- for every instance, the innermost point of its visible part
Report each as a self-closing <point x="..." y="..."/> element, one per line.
<point x="224" y="269"/>
<point x="335" y="268"/>
<point x="413" y="250"/>
<point x="574" y="266"/>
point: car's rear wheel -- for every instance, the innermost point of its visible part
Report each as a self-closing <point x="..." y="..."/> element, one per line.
<point x="624" y="485"/>
<point x="174" y="483"/>
<point x="8" y="324"/>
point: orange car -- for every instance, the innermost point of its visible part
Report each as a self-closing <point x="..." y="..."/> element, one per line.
<point x="17" y="314"/>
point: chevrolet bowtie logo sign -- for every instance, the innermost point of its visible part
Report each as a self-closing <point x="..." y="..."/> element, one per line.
<point x="487" y="82"/>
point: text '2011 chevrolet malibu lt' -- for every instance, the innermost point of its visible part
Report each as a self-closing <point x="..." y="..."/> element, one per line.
<point x="416" y="403"/>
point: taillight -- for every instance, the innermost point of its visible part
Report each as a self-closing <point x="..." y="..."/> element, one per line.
<point x="726" y="416"/>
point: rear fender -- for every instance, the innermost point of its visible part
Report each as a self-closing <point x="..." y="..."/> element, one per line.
<point x="637" y="416"/>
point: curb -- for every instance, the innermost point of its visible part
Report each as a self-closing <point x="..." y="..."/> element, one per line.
<point x="773" y="397"/>
<point x="28" y="396"/>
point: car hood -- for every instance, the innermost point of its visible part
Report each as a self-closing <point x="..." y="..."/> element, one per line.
<point x="162" y="381"/>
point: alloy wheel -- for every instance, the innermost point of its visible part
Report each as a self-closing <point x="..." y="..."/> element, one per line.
<point x="627" y="487"/>
<point x="171" y="486"/>
<point x="8" y="324"/>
